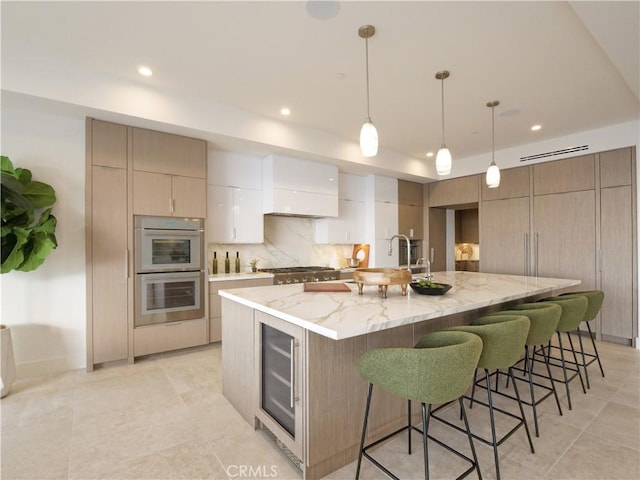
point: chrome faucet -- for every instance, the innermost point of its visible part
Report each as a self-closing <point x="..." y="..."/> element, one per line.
<point x="427" y="264"/>
<point x="390" y="248"/>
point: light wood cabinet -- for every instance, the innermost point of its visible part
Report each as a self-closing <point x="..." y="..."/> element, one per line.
<point x="168" y="153"/>
<point x="215" y="304"/>
<point x="165" y="337"/>
<point x="455" y="192"/>
<point x="410" y="209"/>
<point x="410" y="222"/>
<point x="108" y="145"/>
<point x="618" y="272"/>
<point x="504" y="236"/>
<point x="616" y="168"/>
<point x="564" y="242"/>
<point x="109" y="270"/>
<point x="409" y="193"/>
<point x="169" y="195"/>
<point x="568" y="175"/>
<point x="106" y="243"/>
<point x="579" y="222"/>
<point x="437" y="253"/>
<point x="514" y="183"/>
<point x="133" y="171"/>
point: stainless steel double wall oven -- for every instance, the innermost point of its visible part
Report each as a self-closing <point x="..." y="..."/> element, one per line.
<point x="169" y="260"/>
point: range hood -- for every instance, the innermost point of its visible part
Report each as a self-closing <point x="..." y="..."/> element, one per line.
<point x="297" y="187"/>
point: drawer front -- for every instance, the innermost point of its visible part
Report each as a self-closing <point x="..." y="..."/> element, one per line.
<point x="169" y="336"/>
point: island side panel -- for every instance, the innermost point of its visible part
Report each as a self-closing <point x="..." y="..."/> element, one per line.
<point x="337" y="396"/>
<point x="238" y="362"/>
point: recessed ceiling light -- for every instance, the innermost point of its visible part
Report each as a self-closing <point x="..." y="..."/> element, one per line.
<point x="285" y="111"/>
<point x="340" y="76"/>
<point x="145" y="71"/>
<point x="429" y="154"/>
<point x="535" y="128"/>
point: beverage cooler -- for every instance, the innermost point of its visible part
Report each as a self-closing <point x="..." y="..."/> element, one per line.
<point x="280" y="375"/>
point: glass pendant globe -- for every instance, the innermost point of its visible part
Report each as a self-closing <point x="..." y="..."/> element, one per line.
<point x="443" y="161"/>
<point x="369" y="140"/>
<point x="493" y="176"/>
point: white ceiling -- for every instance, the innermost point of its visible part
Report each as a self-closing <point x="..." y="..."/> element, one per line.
<point x="569" y="66"/>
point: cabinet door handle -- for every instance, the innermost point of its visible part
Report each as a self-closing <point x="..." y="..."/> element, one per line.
<point x="171" y="205"/>
<point x="293" y="398"/>
<point x="526" y="254"/>
<point x="535" y="241"/>
<point x="233" y="234"/>
<point x="126" y="263"/>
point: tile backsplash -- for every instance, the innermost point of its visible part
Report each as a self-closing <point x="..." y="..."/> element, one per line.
<point x="288" y="242"/>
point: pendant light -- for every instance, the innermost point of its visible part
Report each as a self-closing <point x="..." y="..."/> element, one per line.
<point x="443" y="158"/>
<point x="368" y="133"/>
<point x="493" y="172"/>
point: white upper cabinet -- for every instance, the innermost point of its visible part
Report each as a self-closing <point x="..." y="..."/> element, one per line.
<point x="235" y="215"/>
<point x="234" y="198"/>
<point x="293" y="186"/>
<point x="234" y="169"/>
<point x="349" y="226"/>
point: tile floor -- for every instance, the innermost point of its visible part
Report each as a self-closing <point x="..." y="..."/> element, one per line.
<point x="165" y="418"/>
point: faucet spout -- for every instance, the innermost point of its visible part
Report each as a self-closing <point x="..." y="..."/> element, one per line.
<point x="390" y="248"/>
<point x="427" y="264"/>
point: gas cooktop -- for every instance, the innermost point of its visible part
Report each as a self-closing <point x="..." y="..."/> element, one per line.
<point x="295" y="269"/>
<point x="313" y="273"/>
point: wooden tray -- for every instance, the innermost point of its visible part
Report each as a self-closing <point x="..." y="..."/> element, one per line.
<point x="326" y="287"/>
<point x="382" y="277"/>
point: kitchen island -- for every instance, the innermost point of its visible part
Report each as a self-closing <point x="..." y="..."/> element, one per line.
<point x="321" y="336"/>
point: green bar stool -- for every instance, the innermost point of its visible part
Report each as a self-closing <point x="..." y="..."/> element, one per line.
<point x="438" y="371"/>
<point x="573" y="311"/>
<point x="594" y="300"/>
<point x="503" y="339"/>
<point x="544" y="320"/>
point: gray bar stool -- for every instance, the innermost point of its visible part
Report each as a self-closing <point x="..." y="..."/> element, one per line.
<point x="438" y="370"/>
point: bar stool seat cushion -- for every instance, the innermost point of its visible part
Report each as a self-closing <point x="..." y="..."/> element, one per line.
<point x="497" y="353"/>
<point x="544" y="320"/>
<point x="438" y="370"/>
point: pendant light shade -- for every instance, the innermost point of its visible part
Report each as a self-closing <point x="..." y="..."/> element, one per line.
<point x="368" y="132"/>
<point x="368" y="139"/>
<point x="493" y="172"/>
<point x="443" y="158"/>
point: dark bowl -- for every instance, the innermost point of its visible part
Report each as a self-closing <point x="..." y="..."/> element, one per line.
<point x="430" y="290"/>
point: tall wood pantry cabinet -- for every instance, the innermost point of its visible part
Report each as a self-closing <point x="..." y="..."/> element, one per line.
<point x="572" y="218"/>
<point x="130" y="171"/>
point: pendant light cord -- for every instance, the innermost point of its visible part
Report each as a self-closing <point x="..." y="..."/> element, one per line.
<point x="442" y="82"/>
<point x="366" y="51"/>
<point x="493" y="136"/>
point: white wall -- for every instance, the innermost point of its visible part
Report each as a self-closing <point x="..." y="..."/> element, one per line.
<point x="45" y="309"/>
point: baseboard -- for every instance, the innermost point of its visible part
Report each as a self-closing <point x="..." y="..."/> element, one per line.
<point x="48" y="367"/>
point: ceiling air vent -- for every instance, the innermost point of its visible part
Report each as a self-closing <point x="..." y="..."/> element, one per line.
<point x="563" y="151"/>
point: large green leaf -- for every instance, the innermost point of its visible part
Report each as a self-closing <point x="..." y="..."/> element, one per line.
<point x="6" y="165"/>
<point x="12" y="191"/>
<point x="39" y="194"/>
<point x="13" y="249"/>
<point x="36" y="250"/>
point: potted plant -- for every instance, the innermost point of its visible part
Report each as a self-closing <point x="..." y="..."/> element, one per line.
<point x="254" y="265"/>
<point x="28" y="237"/>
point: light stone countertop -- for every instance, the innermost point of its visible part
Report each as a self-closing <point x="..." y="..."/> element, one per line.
<point x="225" y="277"/>
<point x="339" y="315"/>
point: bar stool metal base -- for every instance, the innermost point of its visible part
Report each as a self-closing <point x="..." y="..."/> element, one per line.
<point x="494" y="441"/>
<point x="426" y="415"/>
